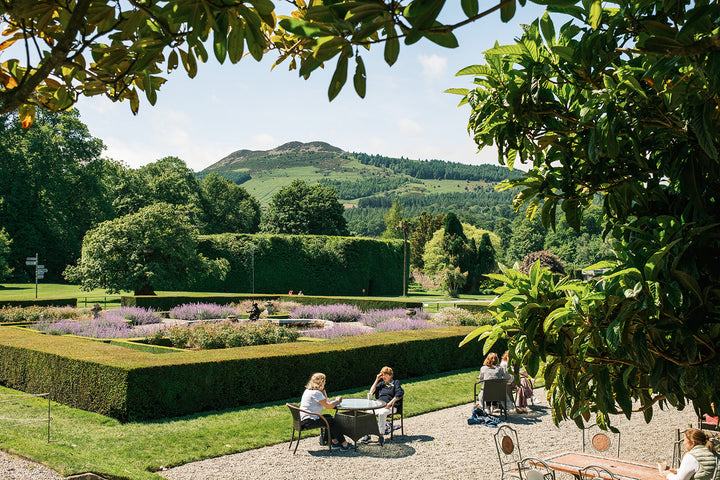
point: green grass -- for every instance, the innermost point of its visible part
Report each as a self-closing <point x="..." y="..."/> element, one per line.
<point x="87" y="442"/>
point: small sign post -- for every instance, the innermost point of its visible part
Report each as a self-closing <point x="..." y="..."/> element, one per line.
<point x="40" y="270"/>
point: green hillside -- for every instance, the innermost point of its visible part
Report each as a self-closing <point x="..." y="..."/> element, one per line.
<point x="367" y="184"/>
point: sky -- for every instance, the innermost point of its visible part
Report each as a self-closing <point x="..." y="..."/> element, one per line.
<point x="231" y="107"/>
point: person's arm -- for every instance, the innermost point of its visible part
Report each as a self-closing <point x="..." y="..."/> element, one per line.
<point x="399" y="392"/>
<point x="377" y="379"/>
<point x="688" y="467"/>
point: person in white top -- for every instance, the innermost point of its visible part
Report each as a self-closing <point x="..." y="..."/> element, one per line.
<point x="699" y="460"/>
<point x="314" y="400"/>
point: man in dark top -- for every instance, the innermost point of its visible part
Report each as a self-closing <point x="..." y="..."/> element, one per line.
<point x="387" y="389"/>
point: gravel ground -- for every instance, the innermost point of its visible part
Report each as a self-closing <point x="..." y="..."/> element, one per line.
<point x="438" y="445"/>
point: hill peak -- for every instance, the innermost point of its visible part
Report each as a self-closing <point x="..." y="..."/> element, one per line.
<point x="240" y="156"/>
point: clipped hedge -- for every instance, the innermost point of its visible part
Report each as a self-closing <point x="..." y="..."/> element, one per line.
<point x="166" y="302"/>
<point x="313" y="264"/>
<point x="43" y="302"/>
<point x="130" y="384"/>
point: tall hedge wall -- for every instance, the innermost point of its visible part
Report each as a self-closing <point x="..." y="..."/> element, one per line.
<point x="313" y="264"/>
<point x="130" y="384"/>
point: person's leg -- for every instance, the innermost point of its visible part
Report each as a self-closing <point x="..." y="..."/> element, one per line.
<point x="335" y="433"/>
<point x="381" y="418"/>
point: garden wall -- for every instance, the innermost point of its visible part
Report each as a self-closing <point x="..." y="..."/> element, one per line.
<point x="313" y="264"/>
<point x="130" y="384"/>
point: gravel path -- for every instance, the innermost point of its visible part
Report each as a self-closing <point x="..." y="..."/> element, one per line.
<point x="438" y="445"/>
<point x="15" y="468"/>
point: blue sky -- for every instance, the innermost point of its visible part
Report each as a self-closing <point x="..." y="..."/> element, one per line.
<point x="246" y="106"/>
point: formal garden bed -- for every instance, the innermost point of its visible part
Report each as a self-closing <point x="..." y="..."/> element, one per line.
<point x="210" y="326"/>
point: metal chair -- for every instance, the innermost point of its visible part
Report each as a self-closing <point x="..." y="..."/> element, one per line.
<point x="508" y="450"/>
<point x="596" y="472"/>
<point x="297" y="425"/>
<point x="397" y="410"/>
<point x="601" y="441"/>
<point x="677" y="449"/>
<point x="495" y="390"/>
<point x="535" y="469"/>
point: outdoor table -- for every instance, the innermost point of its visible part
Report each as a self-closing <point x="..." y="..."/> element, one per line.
<point x="571" y="462"/>
<point x="355" y="421"/>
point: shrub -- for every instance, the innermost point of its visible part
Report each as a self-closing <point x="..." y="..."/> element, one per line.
<point x="547" y="259"/>
<point x="372" y="318"/>
<point x="223" y="334"/>
<point x="202" y="311"/>
<point x="337" y="331"/>
<point x="455" y="317"/>
<point x="334" y="313"/>
<point x="133" y="315"/>
<point x="36" y="313"/>
<point x="398" y="324"/>
<point x="106" y="327"/>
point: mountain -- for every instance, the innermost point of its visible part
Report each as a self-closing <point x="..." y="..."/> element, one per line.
<point x="365" y="181"/>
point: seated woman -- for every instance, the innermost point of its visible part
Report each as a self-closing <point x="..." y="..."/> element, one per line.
<point x="314" y="399"/>
<point x="490" y="370"/>
<point x="699" y="459"/>
<point x="388" y="390"/>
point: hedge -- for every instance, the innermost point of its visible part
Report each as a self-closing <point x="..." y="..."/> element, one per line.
<point x="131" y="384"/>
<point x="43" y="302"/>
<point x="313" y="264"/>
<point x="166" y="302"/>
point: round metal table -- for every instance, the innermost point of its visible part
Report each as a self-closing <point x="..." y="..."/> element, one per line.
<point x="356" y="418"/>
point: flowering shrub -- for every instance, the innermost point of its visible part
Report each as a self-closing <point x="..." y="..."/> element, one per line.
<point x="133" y="315"/>
<point x="334" y="313"/>
<point x="36" y="313"/>
<point x="203" y="311"/>
<point x="372" y="318"/>
<point x="407" y="323"/>
<point x="336" y="331"/>
<point x="223" y="334"/>
<point x="455" y="316"/>
<point x="102" y="327"/>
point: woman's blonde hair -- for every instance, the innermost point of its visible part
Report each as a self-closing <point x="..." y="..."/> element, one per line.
<point x="491" y="360"/>
<point x="698" y="437"/>
<point x="316" y="382"/>
<point x="387" y="370"/>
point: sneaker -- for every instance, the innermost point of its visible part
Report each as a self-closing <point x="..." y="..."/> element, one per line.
<point x="365" y="439"/>
<point x="345" y="448"/>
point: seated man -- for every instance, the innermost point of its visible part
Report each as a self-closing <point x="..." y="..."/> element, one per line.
<point x="388" y="390"/>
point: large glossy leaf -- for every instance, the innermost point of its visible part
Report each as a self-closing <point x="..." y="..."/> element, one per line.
<point x="339" y="77"/>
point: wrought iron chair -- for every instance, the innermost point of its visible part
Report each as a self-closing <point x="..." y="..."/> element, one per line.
<point x="508" y="450"/>
<point x="600" y="441"/>
<point x="677" y="449"/>
<point x="535" y="469"/>
<point x="596" y="472"/>
<point x="297" y="425"/>
<point x="495" y="390"/>
<point x="397" y="411"/>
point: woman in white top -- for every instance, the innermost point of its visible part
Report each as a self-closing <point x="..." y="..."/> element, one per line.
<point x="699" y="459"/>
<point x="314" y="400"/>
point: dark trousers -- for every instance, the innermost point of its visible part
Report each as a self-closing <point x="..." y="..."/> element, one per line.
<point x="335" y="432"/>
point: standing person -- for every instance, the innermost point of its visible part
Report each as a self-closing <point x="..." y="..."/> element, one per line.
<point x="699" y="459"/>
<point x="388" y="390"/>
<point x="314" y="399"/>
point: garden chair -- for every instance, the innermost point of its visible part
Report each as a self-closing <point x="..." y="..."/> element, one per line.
<point x="397" y="411"/>
<point x="297" y="425"/>
<point x="508" y="450"/>
<point x="677" y="449"/>
<point x="495" y="390"/>
<point x="600" y="441"/>
<point x="535" y="469"/>
<point x="596" y="472"/>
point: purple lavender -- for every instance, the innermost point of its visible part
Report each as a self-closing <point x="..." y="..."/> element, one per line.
<point x="202" y="311"/>
<point x="133" y="315"/>
<point x="372" y="318"/>
<point x="103" y="327"/>
<point x="336" y="331"/>
<point x="334" y="313"/>
<point x="397" y="324"/>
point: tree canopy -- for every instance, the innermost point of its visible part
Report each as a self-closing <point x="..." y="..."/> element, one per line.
<point x="621" y="102"/>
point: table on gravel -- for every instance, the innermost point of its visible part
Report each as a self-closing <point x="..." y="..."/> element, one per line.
<point x="570" y="462"/>
<point x="356" y="418"/>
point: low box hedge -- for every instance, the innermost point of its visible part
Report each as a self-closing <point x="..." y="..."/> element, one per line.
<point x="132" y="384"/>
<point x="43" y="302"/>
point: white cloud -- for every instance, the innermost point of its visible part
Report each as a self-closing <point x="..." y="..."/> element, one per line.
<point x="408" y="126"/>
<point x="263" y="141"/>
<point x="433" y="66"/>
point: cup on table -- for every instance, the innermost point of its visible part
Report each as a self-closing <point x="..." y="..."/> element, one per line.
<point x="369" y="396"/>
<point x="662" y="467"/>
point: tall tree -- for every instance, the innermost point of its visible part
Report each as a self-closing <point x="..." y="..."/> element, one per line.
<point x="227" y="207"/>
<point x="426" y="226"/>
<point x="5" y="269"/>
<point x="303" y="209"/>
<point x="393" y="220"/>
<point x="621" y="102"/>
<point x="152" y="249"/>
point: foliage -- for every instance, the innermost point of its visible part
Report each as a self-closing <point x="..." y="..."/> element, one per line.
<point x="374" y="317"/>
<point x="622" y="102"/>
<point x="452" y="279"/>
<point x="5" y="269"/>
<point x="425" y="226"/>
<point x="37" y="313"/>
<point x="223" y="334"/>
<point x="227" y="207"/>
<point x="547" y="260"/>
<point x="338" y="330"/>
<point x="203" y="311"/>
<point x="528" y="235"/>
<point x="335" y="313"/>
<point x="152" y="249"/>
<point x="133" y="315"/>
<point x="456" y="316"/>
<point x="105" y="326"/>
<point x="302" y="209"/>
<point x="393" y="221"/>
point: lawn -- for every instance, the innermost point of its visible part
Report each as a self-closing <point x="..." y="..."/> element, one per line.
<point x="88" y="442"/>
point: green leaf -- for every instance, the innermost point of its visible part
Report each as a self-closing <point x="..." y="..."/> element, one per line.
<point x="447" y="40"/>
<point x="483" y="330"/>
<point x="338" y="78"/>
<point x="220" y="38"/>
<point x="595" y="15"/>
<point x="470" y="7"/>
<point x="301" y="27"/>
<point x="359" y="79"/>
<point x="458" y="91"/>
<point x="547" y="28"/>
<point x="392" y="50"/>
<point x="505" y="50"/>
<point x="703" y="124"/>
<point x="507" y="11"/>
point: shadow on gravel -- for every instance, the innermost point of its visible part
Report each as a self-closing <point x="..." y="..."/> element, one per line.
<point x="397" y="448"/>
<point x="535" y="415"/>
